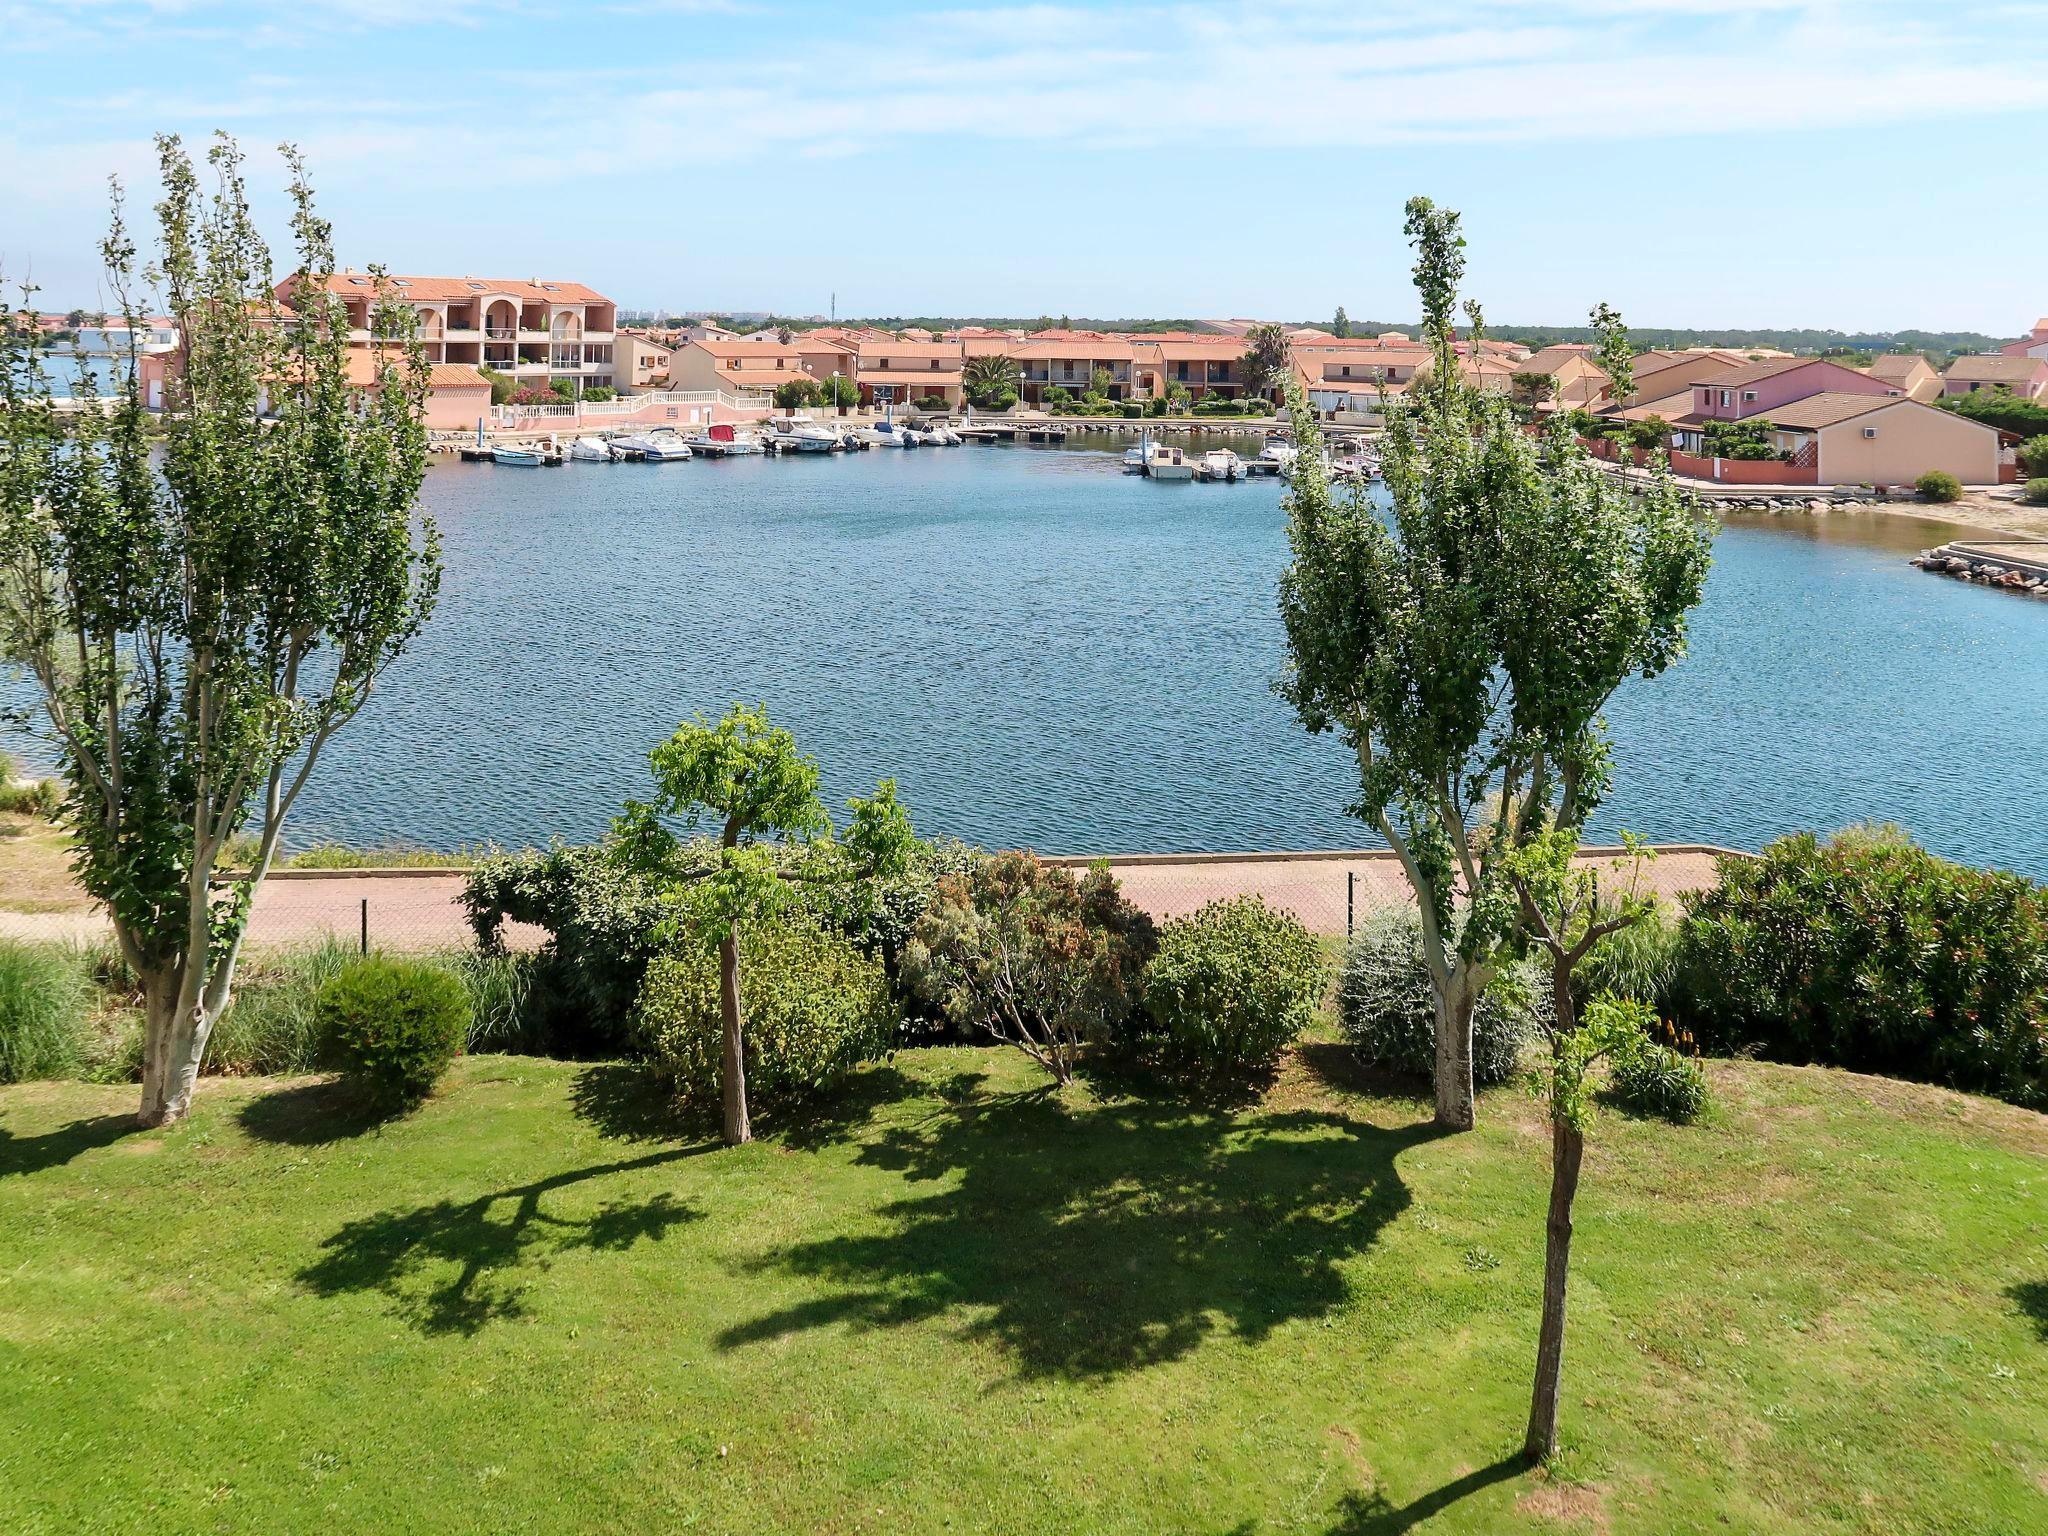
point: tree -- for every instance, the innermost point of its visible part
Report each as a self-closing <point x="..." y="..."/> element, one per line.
<point x="839" y="390"/>
<point x="2000" y="407"/>
<point x="791" y="394"/>
<point x="1465" y="646"/>
<point x="1530" y="390"/>
<point x="1565" y="916"/>
<point x="197" y="633"/>
<point x="1178" y="397"/>
<point x="1749" y="439"/>
<point x="1341" y="326"/>
<point x="1268" y="359"/>
<point x="749" y="778"/>
<point x="2033" y="457"/>
<point x="784" y="335"/>
<point x="502" y="385"/>
<point x="1101" y="382"/>
<point x="992" y="381"/>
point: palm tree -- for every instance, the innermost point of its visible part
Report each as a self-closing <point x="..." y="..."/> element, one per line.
<point x="992" y="381"/>
<point x="1268" y="355"/>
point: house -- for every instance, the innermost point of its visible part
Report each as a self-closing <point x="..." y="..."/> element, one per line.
<point x="1069" y="360"/>
<point x="735" y="366"/>
<point x="1201" y="365"/>
<point x="1663" y="373"/>
<point x="2025" y="376"/>
<point x="540" y="333"/>
<point x="2034" y="345"/>
<point x="1864" y="439"/>
<point x="1577" y="381"/>
<point x="639" y="363"/>
<point x="893" y="372"/>
<point x="1756" y="389"/>
<point x="1908" y="373"/>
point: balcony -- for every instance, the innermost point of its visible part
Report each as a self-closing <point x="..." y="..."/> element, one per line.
<point x="499" y="333"/>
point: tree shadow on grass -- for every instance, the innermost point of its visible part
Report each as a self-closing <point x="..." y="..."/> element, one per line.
<point x="32" y="1154"/>
<point x="2031" y="1296"/>
<point x="1093" y="1241"/>
<point x="310" y="1114"/>
<point x="457" y="1266"/>
<point x="1337" y="1065"/>
<point x="627" y="1102"/>
<point x="1373" y="1514"/>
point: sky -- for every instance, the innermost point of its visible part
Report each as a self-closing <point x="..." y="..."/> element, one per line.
<point x="1844" y="164"/>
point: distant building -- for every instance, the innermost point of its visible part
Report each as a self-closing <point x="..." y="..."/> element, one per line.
<point x="2025" y="375"/>
<point x="736" y="366"/>
<point x="1909" y="374"/>
<point x="538" y="333"/>
<point x="2034" y="345"/>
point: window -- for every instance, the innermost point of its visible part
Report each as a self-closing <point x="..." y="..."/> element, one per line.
<point x="1727" y="397"/>
<point x="1870" y="431"/>
<point x="1748" y="395"/>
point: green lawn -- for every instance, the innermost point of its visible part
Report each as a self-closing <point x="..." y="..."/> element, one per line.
<point x="962" y="1303"/>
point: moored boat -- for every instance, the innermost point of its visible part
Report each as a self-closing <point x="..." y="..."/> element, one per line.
<point x="525" y="458"/>
<point x="591" y="450"/>
<point x="1169" y="464"/>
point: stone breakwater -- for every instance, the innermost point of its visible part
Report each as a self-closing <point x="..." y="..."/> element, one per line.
<point x="2012" y="567"/>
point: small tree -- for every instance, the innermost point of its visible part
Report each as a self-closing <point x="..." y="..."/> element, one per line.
<point x="197" y="631"/>
<point x="773" y="831"/>
<point x="1178" y="398"/>
<point x="1465" y="646"/>
<point x="1530" y="390"/>
<point x="784" y="335"/>
<point x="1564" y="914"/>
<point x="1268" y="359"/>
<point x="992" y="381"/>
<point x="2033" y="457"/>
<point x="791" y="394"/>
<point x="1341" y="326"/>
<point x="839" y="391"/>
<point x="1101" y="382"/>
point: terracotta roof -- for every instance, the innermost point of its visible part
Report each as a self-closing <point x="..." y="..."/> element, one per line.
<point x="1671" y="408"/>
<point x="1219" y="350"/>
<point x="938" y="376"/>
<point x="436" y="289"/>
<point x="1108" y="349"/>
<point x="1996" y="370"/>
<point x="1552" y="358"/>
<point x="1896" y="367"/>
<point x="759" y="379"/>
<point x="1750" y="373"/>
<point x="1829" y="407"/>
<point x="455" y="376"/>
<point x="893" y="349"/>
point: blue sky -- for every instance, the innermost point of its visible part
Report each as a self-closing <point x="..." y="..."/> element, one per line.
<point x="1860" y="163"/>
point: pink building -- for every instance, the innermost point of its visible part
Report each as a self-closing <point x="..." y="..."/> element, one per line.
<point x="2025" y="375"/>
<point x="2035" y="345"/>
<point x="1755" y="388"/>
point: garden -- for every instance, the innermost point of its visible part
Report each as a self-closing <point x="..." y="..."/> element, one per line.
<point x="773" y="1165"/>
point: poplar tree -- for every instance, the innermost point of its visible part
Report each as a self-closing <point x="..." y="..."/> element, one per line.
<point x="198" y="628"/>
<point x="1464" y="642"/>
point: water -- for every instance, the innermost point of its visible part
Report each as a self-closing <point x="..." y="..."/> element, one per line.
<point x="1046" y="652"/>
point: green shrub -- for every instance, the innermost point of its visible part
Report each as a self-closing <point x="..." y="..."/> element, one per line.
<point x="392" y="1027"/>
<point x="2033" y="457"/>
<point x="1939" y="485"/>
<point x="1232" y="986"/>
<point x="2037" y="492"/>
<point x="597" y="393"/>
<point x="1633" y="963"/>
<point x="1132" y="410"/>
<point x="814" y="1008"/>
<point x="1387" y="1010"/>
<point x="935" y="403"/>
<point x="1870" y="953"/>
<point x="1658" y="1082"/>
<point x="1021" y="950"/>
<point x="27" y="797"/>
<point x="499" y="988"/>
<point x="272" y="1023"/>
<point x="1156" y="406"/>
<point x="600" y="919"/>
<point x="45" y="994"/>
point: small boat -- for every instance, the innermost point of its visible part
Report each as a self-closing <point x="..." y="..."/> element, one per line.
<point x="1134" y="457"/>
<point x="1221" y="464"/>
<point x="591" y="450"/>
<point x="939" y="435"/>
<point x="910" y="437"/>
<point x="1169" y="464"/>
<point x="799" y="434"/>
<point x="525" y="458"/>
<point x="663" y="445"/>
<point x="887" y="434"/>
<point x="1280" y="453"/>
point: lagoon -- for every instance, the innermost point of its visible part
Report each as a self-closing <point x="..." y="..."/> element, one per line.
<point x="1046" y="652"/>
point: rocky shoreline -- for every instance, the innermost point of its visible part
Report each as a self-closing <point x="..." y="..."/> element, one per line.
<point x="1996" y="565"/>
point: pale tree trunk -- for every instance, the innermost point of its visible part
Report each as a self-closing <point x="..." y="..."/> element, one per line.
<point x="174" y="1043"/>
<point x="1454" y="1092"/>
<point x="733" y="1077"/>
<point x="1567" y="1148"/>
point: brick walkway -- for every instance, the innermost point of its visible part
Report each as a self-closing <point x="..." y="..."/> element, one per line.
<point x="418" y="909"/>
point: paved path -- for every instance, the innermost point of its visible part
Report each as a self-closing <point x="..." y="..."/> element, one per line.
<point x="418" y="909"/>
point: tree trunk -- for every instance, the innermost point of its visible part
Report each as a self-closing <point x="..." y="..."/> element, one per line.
<point x="173" y="1044"/>
<point x="1567" y="1147"/>
<point x="1454" y="1094"/>
<point x="733" y="1079"/>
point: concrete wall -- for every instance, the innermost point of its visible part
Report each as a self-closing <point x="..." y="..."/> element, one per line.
<point x="451" y="410"/>
<point x="1911" y="439"/>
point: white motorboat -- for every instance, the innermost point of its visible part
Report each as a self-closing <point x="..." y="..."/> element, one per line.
<point x="1221" y="464"/>
<point x="1280" y="453"/>
<point x="911" y="437"/>
<point x="939" y="435"/>
<point x="799" y="434"/>
<point x="526" y="458"/>
<point x="664" y="444"/>
<point x="1134" y="457"/>
<point x="591" y="450"/>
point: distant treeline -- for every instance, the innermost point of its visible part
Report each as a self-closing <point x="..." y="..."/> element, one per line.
<point x="1938" y="343"/>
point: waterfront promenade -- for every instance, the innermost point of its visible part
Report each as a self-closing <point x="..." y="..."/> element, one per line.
<point x="419" y="909"/>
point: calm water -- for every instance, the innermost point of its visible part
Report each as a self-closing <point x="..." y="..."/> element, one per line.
<point x="1044" y="651"/>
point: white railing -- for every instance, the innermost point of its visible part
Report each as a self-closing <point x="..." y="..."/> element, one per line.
<point x="621" y="407"/>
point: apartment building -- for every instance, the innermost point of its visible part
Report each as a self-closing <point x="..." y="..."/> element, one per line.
<point x="539" y="333"/>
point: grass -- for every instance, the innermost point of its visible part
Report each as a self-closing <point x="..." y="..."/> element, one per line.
<point x="958" y="1301"/>
<point x="45" y="994"/>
